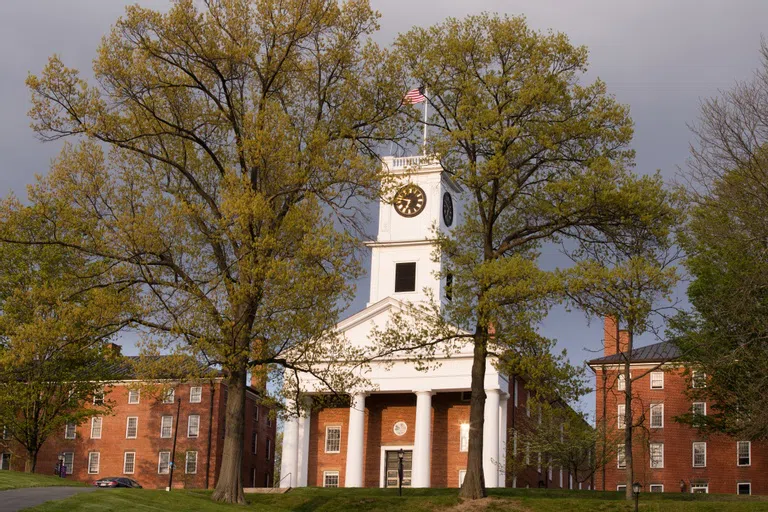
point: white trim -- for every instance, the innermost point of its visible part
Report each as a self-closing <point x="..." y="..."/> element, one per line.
<point x="656" y="405"/>
<point x="127" y="423"/>
<point x="332" y="473"/>
<point x="749" y="444"/>
<point x="169" y="396"/>
<point x="650" y="455"/>
<point x="651" y="486"/>
<point x="621" y="416"/>
<point x="66" y="430"/>
<point x="693" y="406"/>
<point x="189" y="426"/>
<point x="101" y="426"/>
<point x="744" y="483"/>
<point x="621" y="487"/>
<point x="186" y="463"/>
<point x="125" y="460"/>
<point x="700" y="486"/>
<point x="200" y="398"/>
<point x="160" y="458"/>
<point x="325" y="443"/>
<point x="662" y="380"/>
<point x="383" y="460"/>
<point x="693" y="454"/>
<point x="162" y="426"/>
<point x="463" y="431"/>
<point x="138" y="396"/>
<point x="462" y="477"/>
<point x="71" y="464"/>
<point x="98" y="462"/>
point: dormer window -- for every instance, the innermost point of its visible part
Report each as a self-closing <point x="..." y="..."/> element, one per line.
<point x="405" y="277"/>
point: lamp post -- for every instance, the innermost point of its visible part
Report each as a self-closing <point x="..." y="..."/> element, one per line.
<point x="636" y="491"/>
<point x="400" y="456"/>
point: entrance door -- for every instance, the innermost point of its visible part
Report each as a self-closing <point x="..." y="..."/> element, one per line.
<point x="392" y="461"/>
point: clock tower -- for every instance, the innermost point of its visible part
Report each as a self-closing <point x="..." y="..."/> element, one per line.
<point x="402" y="263"/>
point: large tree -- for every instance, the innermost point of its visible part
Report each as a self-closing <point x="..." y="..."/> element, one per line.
<point x="57" y="318"/>
<point x="540" y="157"/>
<point x="726" y="334"/>
<point x="222" y="142"/>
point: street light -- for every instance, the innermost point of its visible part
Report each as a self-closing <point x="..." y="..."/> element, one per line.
<point x="636" y="490"/>
<point x="400" y="455"/>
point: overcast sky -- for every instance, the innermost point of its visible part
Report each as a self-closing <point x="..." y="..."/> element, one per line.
<point x="658" y="56"/>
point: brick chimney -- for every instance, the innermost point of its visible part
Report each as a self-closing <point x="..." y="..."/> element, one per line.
<point x="114" y="349"/>
<point x="259" y="378"/>
<point x="623" y="341"/>
<point x="610" y="336"/>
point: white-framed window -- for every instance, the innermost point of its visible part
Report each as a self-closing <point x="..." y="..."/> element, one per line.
<point x="134" y="396"/>
<point x="163" y="463"/>
<point x="515" y="391"/>
<point x="699" y="488"/>
<point x="4" y="434"/>
<point x="743" y="453"/>
<point x="462" y="475"/>
<point x="169" y="396"/>
<point x="621" y="457"/>
<point x="621" y="488"/>
<point x="5" y="461"/>
<point x="190" y="465"/>
<point x="129" y="463"/>
<point x="657" y="487"/>
<point x="698" y="379"/>
<point x="195" y="394"/>
<point x="96" y="427"/>
<point x="269" y="420"/>
<point x="699" y="408"/>
<point x="333" y="439"/>
<point x="700" y="455"/>
<point x="621" y="382"/>
<point x="657" y="380"/>
<point x="70" y="431"/>
<point x="69" y="461"/>
<point x="193" y="425"/>
<point x="269" y="448"/>
<point x="744" y="488"/>
<point x="657" y="455"/>
<point x="464" y="437"/>
<point x="255" y="413"/>
<point x="166" y="426"/>
<point x="621" y="411"/>
<point x="93" y="462"/>
<point x="657" y="415"/>
<point x="254" y="442"/>
<point x="98" y="397"/>
<point x="405" y="277"/>
<point x="131" y="427"/>
<point x="330" y="478"/>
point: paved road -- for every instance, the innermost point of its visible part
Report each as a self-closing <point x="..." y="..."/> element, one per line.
<point x="19" y="499"/>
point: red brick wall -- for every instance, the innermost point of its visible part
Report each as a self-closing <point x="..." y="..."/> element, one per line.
<point x="721" y="471"/>
<point x="113" y="443"/>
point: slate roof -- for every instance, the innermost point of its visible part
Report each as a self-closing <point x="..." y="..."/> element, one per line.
<point x="124" y="367"/>
<point x="656" y="353"/>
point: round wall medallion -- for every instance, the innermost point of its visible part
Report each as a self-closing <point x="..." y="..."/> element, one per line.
<point x="400" y="428"/>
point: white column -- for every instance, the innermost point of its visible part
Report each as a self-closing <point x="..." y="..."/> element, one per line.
<point x="355" y="441"/>
<point x="503" y="435"/>
<point x="491" y="438"/>
<point x="304" y="433"/>
<point x="289" y="466"/>
<point x="422" y="442"/>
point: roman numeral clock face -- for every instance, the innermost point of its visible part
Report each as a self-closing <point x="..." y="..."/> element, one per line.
<point x="410" y="201"/>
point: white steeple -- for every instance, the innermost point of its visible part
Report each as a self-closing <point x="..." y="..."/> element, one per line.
<point x="402" y="263"/>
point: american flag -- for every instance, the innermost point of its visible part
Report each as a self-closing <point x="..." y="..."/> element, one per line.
<point x="415" y="96"/>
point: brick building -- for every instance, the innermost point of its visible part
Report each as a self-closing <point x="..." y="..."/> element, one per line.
<point x="135" y="440"/>
<point x="426" y="414"/>
<point x="669" y="456"/>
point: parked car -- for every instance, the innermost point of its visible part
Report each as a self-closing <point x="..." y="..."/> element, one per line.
<point x="114" y="481"/>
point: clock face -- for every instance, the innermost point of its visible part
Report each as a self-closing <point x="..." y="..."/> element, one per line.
<point x="447" y="209"/>
<point x="410" y="201"/>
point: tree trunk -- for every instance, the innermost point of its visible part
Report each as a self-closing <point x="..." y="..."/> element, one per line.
<point x="474" y="481"/>
<point x="229" y="487"/>
<point x="31" y="462"/>
<point x="629" y="471"/>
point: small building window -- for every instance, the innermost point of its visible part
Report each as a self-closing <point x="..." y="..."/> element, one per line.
<point x="462" y="474"/>
<point x="700" y="455"/>
<point x="166" y="426"/>
<point x="269" y="448"/>
<point x="657" y="488"/>
<point x="191" y="463"/>
<point x="255" y="413"/>
<point x="163" y="463"/>
<point x="698" y="379"/>
<point x="131" y="427"/>
<point x="5" y="461"/>
<point x="700" y="488"/>
<point x="169" y="396"/>
<point x="133" y="396"/>
<point x="193" y="426"/>
<point x="330" y="478"/>
<point x="699" y="408"/>
<point x="621" y="412"/>
<point x="254" y="443"/>
<point x="464" y="437"/>
<point x="332" y="439"/>
<point x="657" y="415"/>
<point x="195" y="394"/>
<point x="621" y="457"/>
<point x="93" y="463"/>
<point x="96" y="427"/>
<point x="657" y="455"/>
<point x="69" y="461"/>
<point x="405" y="277"/>
<point x="98" y="397"/>
<point x="621" y="382"/>
<point x="129" y="463"/>
<point x="744" y="453"/>
<point x="70" y="431"/>
<point x="621" y="488"/>
<point x="657" y="380"/>
<point x="744" y="488"/>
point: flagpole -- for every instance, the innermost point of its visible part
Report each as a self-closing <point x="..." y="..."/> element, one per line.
<point x="426" y="105"/>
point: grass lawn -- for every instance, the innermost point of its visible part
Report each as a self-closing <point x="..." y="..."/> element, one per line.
<point x="414" y="500"/>
<point x="16" y="480"/>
